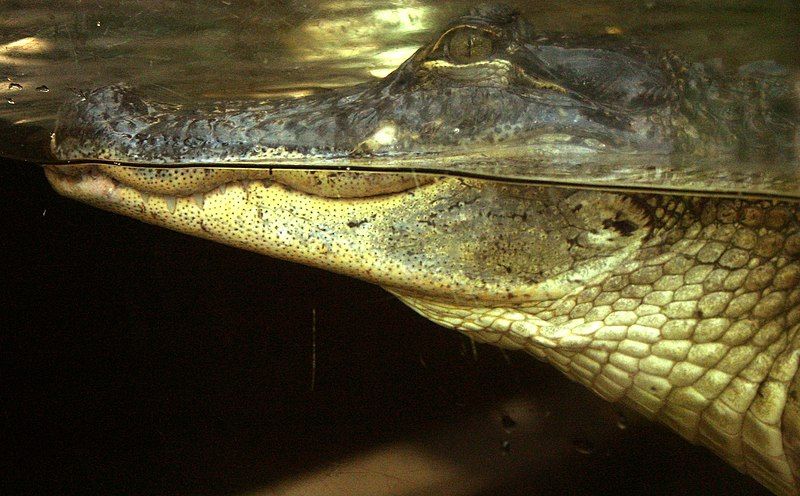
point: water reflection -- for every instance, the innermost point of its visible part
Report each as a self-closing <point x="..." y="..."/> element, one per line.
<point x="390" y="59"/>
<point x="358" y="41"/>
<point x="24" y="47"/>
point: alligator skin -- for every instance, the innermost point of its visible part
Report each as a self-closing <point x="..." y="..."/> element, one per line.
<point x="697" y="329"/>
<point x="685" y="308"/>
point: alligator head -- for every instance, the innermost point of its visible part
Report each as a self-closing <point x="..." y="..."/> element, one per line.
<point x="488" y="78"/>
<point x="685" y="308"/>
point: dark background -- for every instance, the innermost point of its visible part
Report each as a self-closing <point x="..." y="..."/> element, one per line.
<point x="140" y="361"/>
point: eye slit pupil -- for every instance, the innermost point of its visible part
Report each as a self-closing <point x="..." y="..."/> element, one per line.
<point x="469" y="45"/>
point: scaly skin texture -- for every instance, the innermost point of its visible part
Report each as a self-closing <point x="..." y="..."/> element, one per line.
<point x="686" y="309"/>
<point x="698" y="329"/>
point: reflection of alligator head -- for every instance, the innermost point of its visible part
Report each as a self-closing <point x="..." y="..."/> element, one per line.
<point x="489" y="78"/>
<point x="687" y="309"/>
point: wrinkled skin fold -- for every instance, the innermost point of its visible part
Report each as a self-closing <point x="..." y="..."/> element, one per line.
<point x="685" y="308"/>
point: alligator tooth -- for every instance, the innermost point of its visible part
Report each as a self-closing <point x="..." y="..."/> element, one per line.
<point x="172" y="203"/>
<point x="145" y="197"/>
<point x="245" y="184"/>
<point x="199" y="199"/>
<point x="222" y="188"/>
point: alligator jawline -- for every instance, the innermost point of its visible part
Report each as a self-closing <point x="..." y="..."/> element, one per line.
<point x="354" y="185"/>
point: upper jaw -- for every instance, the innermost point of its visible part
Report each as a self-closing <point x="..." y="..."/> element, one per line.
<point x="371" y="121"/>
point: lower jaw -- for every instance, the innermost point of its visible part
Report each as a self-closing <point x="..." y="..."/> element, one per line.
<point x="265" y="217"/>
<point x="346" y="236"/>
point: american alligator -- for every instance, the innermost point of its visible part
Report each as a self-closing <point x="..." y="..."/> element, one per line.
<point x="686" y="308"/>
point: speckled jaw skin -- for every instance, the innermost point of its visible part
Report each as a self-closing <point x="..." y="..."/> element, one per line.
<point x="687" y="310"/>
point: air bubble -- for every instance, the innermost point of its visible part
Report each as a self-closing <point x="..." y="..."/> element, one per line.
<point x="10" y="101"/>
<point x="622" y="422"/>
<point x="14" y="86"/>
<point x="583" y="446"/>
<point x="42" y="89"/>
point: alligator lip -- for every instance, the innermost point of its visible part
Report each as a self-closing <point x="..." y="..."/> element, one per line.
<point x="87" y="184"/>
<point x="93" y="186"/>
<point x="170" y="184"/>
<point x="400" y="240"/>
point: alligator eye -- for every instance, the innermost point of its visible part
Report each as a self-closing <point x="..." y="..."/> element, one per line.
<point x="470" y="45"/>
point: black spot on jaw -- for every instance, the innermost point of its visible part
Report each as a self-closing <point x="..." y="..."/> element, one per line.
<point x="358" y="223"/>
<point x="572" y="241"/>
<point x="623" y="226"/>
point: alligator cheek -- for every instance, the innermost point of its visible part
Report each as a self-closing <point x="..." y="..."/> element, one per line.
<point x="514" y="242"/>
